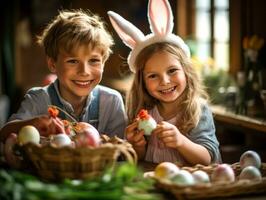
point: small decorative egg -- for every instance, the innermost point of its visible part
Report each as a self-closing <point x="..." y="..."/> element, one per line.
<point x="166" y="170"/>
<point x="250" y="158"/>
<point x="223" y="173"/>
<point x="61" y="140"/>
<point x="183" y="178"/>
<point x="146" y="122"/>
<point x="250" y="173"/>
<point x="201" y="177"/>
<point x="28" y="134"/>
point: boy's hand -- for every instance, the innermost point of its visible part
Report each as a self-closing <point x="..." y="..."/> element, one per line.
<point x="134" y="136"/>
<point x="11" y="159"/>
<point x="168" y="134"/>
<point x="48" y="125"/>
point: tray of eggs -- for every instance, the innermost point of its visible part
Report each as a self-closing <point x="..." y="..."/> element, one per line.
<point x="246" y="177"/>
<point x="77" y="151"/>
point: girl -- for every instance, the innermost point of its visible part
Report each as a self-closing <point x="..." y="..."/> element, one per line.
<point x="167" y="85"/>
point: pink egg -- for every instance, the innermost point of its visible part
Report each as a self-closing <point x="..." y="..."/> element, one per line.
<point x="223" y="173"/>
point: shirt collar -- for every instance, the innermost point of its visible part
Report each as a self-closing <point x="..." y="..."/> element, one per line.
<point x="66" y="104"/>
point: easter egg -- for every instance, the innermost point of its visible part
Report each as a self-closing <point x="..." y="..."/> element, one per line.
<point x="223" y="173"/>
<point x="250" y="173"/>
<point x="201" y="177"/>
<point x="146" y="122"/>
<point x="61" y="140"/>
<point x="184" y="178"/>
<point x="87" y="135"/>
<point x="28" y="134"/>
<point x="165" y="170"/>
<point x="250" y="158"/>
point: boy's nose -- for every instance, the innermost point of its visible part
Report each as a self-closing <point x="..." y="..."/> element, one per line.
<point x="84" y="68"/>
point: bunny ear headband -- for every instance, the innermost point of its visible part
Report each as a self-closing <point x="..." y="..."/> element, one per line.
<point x="161" y="24"/>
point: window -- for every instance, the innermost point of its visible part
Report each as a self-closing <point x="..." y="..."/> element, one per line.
<point x="212" y="31"/>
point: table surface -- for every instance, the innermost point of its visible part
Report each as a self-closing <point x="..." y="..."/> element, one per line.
<point x="221" y="114"/>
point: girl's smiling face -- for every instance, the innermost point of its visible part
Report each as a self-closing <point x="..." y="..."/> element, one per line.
<point x="164" y="77"/>
<point x="78" y="72"/>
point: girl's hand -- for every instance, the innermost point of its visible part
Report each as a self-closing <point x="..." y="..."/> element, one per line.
<point x="134" y="136"/>
<point x="168" y="134"/>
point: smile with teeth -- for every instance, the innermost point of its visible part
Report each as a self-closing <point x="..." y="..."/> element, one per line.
<point x="169" y="90"/>
<point x="83" y="83"/>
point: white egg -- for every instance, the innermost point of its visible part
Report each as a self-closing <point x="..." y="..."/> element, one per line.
<point x="250" y="158"/>
<point x="223" y="173"/>
<point x="250" y="173"/>
<point x="148" y="125"/>
<point x="28" y="134"/>
<point x="201" y="177"/>
<point x="61" y="140"/>
<point x="184" y="178"/>
<point x="166" y="170"/>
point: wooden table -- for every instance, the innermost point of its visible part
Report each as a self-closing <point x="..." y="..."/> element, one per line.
<point x="221" y="114"/>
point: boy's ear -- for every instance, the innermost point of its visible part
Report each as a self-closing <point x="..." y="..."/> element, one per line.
<point x="51" y="64"/>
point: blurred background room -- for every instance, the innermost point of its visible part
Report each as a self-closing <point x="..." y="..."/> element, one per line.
<point x="226" y="39"/>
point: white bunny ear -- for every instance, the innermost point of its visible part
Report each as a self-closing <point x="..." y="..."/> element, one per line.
<point x="160" y="17"/>
<point x="129" y="33"/>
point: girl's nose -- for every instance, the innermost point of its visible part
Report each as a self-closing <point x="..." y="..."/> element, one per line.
<point x="165" y="79"/>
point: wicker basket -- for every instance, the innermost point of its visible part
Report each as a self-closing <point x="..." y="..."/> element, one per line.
<point x="216" y="190"/>
<point x="52" y="163"/>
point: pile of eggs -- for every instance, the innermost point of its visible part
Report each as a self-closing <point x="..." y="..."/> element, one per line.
<point x="249" y="162"/>
<point x="87" y="136"/>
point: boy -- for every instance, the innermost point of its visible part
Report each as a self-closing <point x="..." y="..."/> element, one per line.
<point x="77" y="45"/>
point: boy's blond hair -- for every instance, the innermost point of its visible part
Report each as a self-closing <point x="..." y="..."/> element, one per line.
<point x="191" y="98"/>
<point x="73" y="28"/>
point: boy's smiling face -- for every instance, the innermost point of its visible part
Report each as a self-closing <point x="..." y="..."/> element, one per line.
<point x="78" y="72"/>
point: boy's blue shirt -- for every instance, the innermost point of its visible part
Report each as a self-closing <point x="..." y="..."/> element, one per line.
<point x="112" y="118"/>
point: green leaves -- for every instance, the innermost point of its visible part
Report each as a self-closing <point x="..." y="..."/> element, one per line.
<point x="126" y="182"/>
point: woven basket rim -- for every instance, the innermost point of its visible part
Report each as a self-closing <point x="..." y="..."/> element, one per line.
<point x="211" y="190"/>
<point x="54" y="163"/>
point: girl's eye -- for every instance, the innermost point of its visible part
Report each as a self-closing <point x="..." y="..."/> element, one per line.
<point x="151" y="76"/>
<point x="172" y="71"/>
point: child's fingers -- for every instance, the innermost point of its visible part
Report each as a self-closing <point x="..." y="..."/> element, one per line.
<point x="10" y="158"/>
<point x="132" y="127"/>
<point x="138" y="136"/>
<point x="140" y="143"/>
<point x="131" y="131"/>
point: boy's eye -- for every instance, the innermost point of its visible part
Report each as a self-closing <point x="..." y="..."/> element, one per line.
<point x="72" y="61"/>
<point x="95" y="61"/>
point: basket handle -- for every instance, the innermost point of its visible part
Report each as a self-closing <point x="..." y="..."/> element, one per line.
<point x="129" y="153"/>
